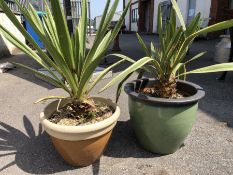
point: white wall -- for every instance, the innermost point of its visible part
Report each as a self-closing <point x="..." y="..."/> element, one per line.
<point x="156" y="5"/>
<point x="127" y="17"/>
<point x="127" y="20"/>
<point x="204" y="8"/>
<point x="134" y="25"/>
<point x="97" y="21"/>
<point x="184" y="5"/>
<point x="6" y="47"/>
<point x="116" y="17"/>
<point x="201" y="6"/>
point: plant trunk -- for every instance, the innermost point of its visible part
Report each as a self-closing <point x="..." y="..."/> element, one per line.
<point x="167" y="88"/>
<point x="163" y="89"/>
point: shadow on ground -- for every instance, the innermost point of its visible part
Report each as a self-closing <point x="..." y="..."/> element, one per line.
<point x="34" y="153"/>
<point x="123" y="143"/>
<point x="218" y="102"/>
<point x="23" y="73"/>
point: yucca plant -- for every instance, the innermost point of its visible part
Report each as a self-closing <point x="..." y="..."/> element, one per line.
<point x="68" y="53"/>
<point x="79" y="125"/>
<point x="166" y="63"/>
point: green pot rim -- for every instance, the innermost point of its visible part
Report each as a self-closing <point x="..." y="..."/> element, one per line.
<point x="196" y="91"/>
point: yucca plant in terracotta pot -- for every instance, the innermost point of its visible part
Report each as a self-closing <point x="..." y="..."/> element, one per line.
<point x="79" y="125"/>
<point x="163" y="109"/>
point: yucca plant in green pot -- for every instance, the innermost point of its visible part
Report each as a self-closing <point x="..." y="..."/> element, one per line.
<point x="79" y="125"/>
<point x="163" y="109"/>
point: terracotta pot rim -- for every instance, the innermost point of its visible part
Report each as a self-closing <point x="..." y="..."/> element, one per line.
<point x="90" y="130"/>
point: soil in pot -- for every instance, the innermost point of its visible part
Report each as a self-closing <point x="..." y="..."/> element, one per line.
<point x="76" y="113"/>
<point x="166" y="90"/>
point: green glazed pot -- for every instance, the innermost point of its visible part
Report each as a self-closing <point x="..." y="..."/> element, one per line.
<point x="161" y="125"/>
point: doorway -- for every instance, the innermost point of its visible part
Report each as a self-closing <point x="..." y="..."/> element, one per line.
<point x="146" y="13"/>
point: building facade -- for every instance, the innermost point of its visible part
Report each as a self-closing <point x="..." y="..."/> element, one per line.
<point x="97" y="19"/>
<point x="142" y="16"/>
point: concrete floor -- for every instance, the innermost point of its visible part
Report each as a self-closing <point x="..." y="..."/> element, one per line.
<point x="26" y="149"/>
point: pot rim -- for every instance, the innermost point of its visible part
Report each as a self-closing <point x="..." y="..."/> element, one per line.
<point x="85" y="128"/>
<point x="200" y="93"/>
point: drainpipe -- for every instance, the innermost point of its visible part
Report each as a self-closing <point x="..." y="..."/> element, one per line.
<point x="42" y="5"/>
<point x="141" y="17"/>
<point x="124" y="9"/>
<point x="151" y="17"/>
<point x="89" y="16"/>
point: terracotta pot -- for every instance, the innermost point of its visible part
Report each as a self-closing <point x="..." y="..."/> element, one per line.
<point x="80" y="145"/>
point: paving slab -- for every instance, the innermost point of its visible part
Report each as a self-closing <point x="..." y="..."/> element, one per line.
<point x="26" y="149"/>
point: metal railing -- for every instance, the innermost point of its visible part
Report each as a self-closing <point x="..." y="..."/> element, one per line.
<point x="76" y="13"/>
<point x="12" y="5"/>
<point x="38" y="5"/>
<point x="76" y="8"/>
